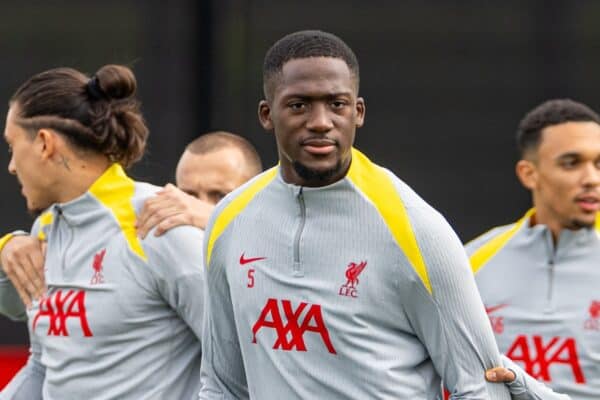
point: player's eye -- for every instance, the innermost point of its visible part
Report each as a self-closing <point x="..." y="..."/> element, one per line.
<point x="338" y="104"/>
<point x="297" y="106"/>
<point x="217" y="196"/>
<point x="569" y="163"/>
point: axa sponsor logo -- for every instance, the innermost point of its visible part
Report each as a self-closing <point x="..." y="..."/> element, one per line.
<point x="353" y="270"/>
<point x="496" y="321"/>
<point x="593" y="322"/>
<point x="291" y="324"/>
<point x="60" y="307"/>
<point x="538" y="355"/>
<point x="97" y="266"/>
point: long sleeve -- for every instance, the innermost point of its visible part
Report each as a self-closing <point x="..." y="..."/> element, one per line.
<point x="222" y="371"/>
<point x="28" y="383"/>
<point x="11" y="305"/>
<point x="524" y="387"/>
<point x="177" y="262"/>
<point x="448" y="316"/>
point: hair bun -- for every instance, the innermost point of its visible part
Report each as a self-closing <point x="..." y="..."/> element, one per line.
<point x="116" y="81"/>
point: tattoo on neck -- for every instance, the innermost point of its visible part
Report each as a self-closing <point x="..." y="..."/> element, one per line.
<point x="65" y="162"/>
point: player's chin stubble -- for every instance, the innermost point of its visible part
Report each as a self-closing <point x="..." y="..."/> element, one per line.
<point x="313" y="176"/>
<point x="579" y="224"/>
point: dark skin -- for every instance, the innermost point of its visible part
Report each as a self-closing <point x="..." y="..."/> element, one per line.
<point x="314" y="110"/>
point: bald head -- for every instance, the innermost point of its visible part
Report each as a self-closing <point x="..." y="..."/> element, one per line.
<point x="216" y="164"/>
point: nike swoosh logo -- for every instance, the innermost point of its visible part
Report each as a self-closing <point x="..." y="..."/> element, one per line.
<point x="490" y="310"/>
<point x="249" y="260"/>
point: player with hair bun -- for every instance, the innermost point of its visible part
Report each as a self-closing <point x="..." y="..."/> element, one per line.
<point x="121" y="316"/>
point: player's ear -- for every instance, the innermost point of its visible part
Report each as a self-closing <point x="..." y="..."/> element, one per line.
<point x="264" y="115"/>
<point x="46" y="142"/>
<point x="527" y="173"/>
<point x="360" y="112"/>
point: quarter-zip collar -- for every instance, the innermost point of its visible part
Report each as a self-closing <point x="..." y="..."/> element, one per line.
<point x="566" y="239"/>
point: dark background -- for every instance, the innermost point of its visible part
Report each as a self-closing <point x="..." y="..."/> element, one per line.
<point x="445" y="82"/>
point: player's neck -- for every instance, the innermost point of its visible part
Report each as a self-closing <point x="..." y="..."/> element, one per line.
<point x="79" y="175"/>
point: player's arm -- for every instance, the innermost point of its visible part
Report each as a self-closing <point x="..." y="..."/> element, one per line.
<point x="176" y="263"/>
<point x="447" y="314"/>
<point x="28" y="383"/>
<point x="171" y="207"/>
<point x="222" y="372"/>
<point x="521" y="385"/>
<point x="21" y="273"/>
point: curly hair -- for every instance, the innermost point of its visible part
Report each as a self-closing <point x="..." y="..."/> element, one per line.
<point x="551" y="112"/>
<point x="305" y="44"/>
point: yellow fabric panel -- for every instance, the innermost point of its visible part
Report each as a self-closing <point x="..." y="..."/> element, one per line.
<point x="235" y="207"/>
<point x="115" y="190"/>
<point x="378" y="187"/>
<point x="5" y="240"/>
<point x="489" y="249"/>
<point x="45" y="220"/>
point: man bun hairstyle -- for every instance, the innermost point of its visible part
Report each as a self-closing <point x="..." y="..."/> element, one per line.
<point x="99" y="113"/>
<point x="305" y="44"/>
<point x="549" y="113"/>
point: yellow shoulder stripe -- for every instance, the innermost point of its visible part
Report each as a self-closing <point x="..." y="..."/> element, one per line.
<point x="236" y="206"/>
<point x="483" y="254"/>
<point x="378" y="187"/>
<point x="115" y="190"/>
<point x="5" y="240"/>
<point x="45" y="220"/>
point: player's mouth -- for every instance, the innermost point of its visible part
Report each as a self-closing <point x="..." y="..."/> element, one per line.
<point x="588" y="203"/>
<point x="319" y="146"/>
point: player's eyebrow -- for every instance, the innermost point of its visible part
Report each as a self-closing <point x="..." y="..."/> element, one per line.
<point x="568" y="155"/>
<point x="326" y="96"/>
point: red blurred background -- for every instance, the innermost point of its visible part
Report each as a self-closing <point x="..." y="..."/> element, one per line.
<point x="12" y="358"/>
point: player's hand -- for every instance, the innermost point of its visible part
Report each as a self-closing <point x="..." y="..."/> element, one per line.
<point x="500" y="374"/>
<point x="22" y="260"/>
<point x="172" y="207"/>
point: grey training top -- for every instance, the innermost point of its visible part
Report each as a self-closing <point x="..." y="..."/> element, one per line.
<point x="357" y="290"/>
<point x="544" y="301"/>
<point x="122" y="317"/>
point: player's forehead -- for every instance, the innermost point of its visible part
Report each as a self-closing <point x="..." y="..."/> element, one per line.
<point x="215" y="170"/>
<point x="315" y="76"/>
<point x="579" y="138"/>
<point x="11" y="128"/>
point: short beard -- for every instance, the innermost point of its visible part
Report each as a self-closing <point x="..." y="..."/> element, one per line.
<point x="577" y="224"/>
<point x="316" y="178"/>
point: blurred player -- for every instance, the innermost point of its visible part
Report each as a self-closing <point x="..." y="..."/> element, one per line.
<point x="539" y="277"/>
<point x="121" y="317"/>
<point x="328" y="276"/>
<point x="210" y="167"/>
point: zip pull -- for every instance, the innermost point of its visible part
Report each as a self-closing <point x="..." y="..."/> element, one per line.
<point x="297" y="267"/>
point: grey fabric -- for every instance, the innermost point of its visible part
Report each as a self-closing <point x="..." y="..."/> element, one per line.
<point x="118" y="323"/>
<point x="544" y="304"/>
<point x="392" y="340"/>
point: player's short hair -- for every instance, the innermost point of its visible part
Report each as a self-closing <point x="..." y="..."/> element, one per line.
<point x="214" y="141"/>
<point x="305" y="44"/>
<point x="100" y="113"/>
<point x="549" y="113"/>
